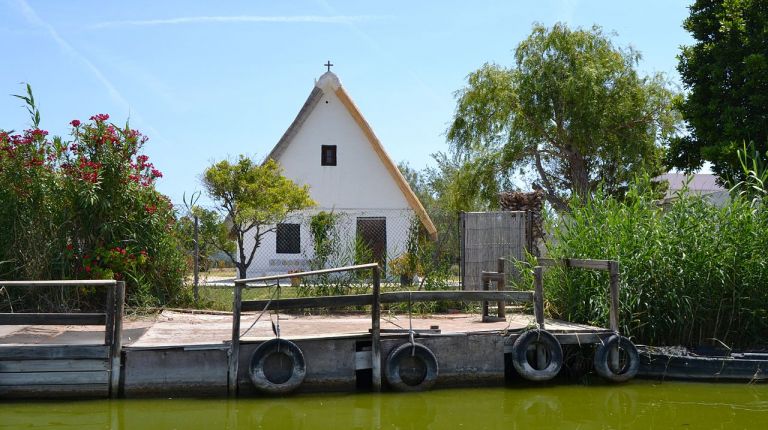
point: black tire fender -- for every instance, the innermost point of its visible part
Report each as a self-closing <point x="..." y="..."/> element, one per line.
<point x="262" y="381"/>
<point x="406" y="351"/>
<point x="602" y="356"/>
<point x="520" y="355"/>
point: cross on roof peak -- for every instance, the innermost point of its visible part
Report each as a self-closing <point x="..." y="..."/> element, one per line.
<point x="328" y="65"/>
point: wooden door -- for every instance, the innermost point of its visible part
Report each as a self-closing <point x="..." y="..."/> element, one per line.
<point x="371" y="240"/>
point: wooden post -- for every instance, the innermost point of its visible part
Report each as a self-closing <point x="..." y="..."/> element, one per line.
<point x="197" y="259"/>
<point x="234" y="347"/>
<point x="376" y="331"/>
<point x="613" y="267"/>
<point x="116" y="348"/>
<point x="538" y="296"/>
<point x="538" y="310"/>
<point x="501" y="285"/>
<point x="486" y="287"/>
<point x="109" y="327"/>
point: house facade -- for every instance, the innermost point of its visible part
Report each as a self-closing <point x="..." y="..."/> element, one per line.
<point x="331" y="148"/>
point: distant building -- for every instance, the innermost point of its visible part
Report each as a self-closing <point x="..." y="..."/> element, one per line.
<point x="332" y="148"/>
<point x="702" y="184"/>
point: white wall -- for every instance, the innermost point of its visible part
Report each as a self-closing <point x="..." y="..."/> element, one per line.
<point x="358" y="181"/>
<point x="359" y="184"/>
<point x="267" y="262"/>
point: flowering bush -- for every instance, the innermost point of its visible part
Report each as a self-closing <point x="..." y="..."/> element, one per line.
<point x="86" y="208"/>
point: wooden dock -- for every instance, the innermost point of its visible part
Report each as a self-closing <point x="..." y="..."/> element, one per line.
<point x="193" y="353"/>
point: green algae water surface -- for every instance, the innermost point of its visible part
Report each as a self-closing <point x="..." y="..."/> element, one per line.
<point x="636" y="405"/>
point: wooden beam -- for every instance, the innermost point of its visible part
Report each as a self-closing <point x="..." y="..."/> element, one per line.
<point x="116" y="348"/>
<point x="109" y="331"/>
<point x="88" y="365"/>
<point x="234" y="347"/>
<point x="538" y="296"/>
<point x="309" y="302"/>
<point x="53" y="319"/>
<point x="50" y="352"/>
<point x="53" y="378"/>
<point x="302" y="274"/>
<point x="501" y="285"/>
<point x="375" y="332"/>
<point x="70" y="283"/>
<point x="576" y="262"/>
<point x="58" y="391"/>
<point x="390" y="297"/>
<point x="614" y="296"/>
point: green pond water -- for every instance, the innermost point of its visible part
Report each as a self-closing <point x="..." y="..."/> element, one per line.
<point x="636" y="405"/>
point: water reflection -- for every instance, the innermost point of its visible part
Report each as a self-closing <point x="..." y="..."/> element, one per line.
<point x="640" y="405"/>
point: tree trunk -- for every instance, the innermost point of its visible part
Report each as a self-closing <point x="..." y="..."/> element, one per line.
<point x="242" y="268"/>
<point x="579" y="176"/>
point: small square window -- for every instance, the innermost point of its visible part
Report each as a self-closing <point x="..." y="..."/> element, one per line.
<point x="288" y="239"/>
<point x="328" y="155"/>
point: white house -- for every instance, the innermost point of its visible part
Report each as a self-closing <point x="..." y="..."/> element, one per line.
<point x="701" y="184"/>
<point x="332" y="148"/>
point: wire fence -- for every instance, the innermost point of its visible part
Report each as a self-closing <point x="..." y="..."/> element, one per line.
<point x="313" y="240"/>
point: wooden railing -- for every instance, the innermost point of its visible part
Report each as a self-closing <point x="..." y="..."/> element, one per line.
<point x="31" y="360"/>
<point x="611" y="266"/>
<point x="375" y="300"/>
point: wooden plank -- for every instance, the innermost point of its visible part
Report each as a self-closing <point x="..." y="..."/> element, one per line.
<point x="70" y="283"/>
<point x="301" y="274"/>
<point x="363" y="360"/>
<point x="309" y="302"/>
<point x="391" y="297"/>
<point x="376" y="331"/>
<point x="466" y="296"/>
<point x="538" y="296"/>
<point x="116" y="348"/>
<point x="501" y="286"/>
<point x="49" y="352"/>
<point x="54" y="391"/>
<point x="575" y="262"/>
<point x="109" y="331"/>
<point x="52" y="319"/>
<point x="234" y="348"/>
<point x="614" y="296"/>
<point x="89" y="365"/>
<point x="53" y="378"/>
<point x="588" y="264"/>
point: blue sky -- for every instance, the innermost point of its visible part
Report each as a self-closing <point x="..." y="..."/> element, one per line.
<point x="208" y="80"/>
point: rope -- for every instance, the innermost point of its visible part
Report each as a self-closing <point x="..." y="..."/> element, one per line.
<point x="276" y="327"/>
<point x="260" y="315"/>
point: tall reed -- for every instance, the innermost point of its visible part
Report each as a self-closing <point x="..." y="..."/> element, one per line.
<point x="690" y="271"/>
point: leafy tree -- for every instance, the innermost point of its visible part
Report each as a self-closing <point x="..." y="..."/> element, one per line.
<point x="572" y="111"/>
<point x="254" y="198"/>
<point x="726" y="74"/>
<point x="86" y="208"/>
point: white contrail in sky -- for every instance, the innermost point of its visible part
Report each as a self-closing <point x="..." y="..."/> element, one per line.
<point x="35" y="19"/>
<point x="67" y="48"/>
<point x="319" y="19"/>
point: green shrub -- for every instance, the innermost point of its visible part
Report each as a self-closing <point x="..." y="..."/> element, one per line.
<point x="690" y="271"/>
<point x="85" y="209"/>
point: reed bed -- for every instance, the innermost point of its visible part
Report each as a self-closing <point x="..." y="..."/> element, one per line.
<point x="691" y="272"/>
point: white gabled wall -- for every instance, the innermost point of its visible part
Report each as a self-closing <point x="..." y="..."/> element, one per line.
<point x="359" y="184"/>
<point x="358" y="181"/>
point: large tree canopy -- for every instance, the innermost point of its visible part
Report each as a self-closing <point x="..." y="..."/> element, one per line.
<point x="572" y="111"/>
<point x="726" y="73"/>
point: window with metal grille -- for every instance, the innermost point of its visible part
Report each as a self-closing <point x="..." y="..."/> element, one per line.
<point x="328" y="155"/>
<point x="288" y="239"/>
